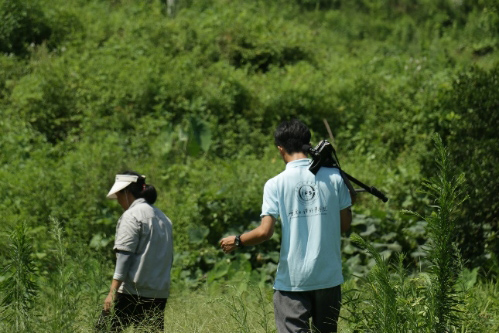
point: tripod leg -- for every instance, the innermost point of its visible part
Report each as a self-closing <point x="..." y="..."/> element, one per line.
<point x="353" y="193"/>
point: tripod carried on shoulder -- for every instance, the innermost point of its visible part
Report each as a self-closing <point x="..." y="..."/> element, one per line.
<point x="324" y="155"/>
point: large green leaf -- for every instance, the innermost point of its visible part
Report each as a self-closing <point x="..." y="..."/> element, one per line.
<point x="198" y="233"/>
<point x="199" y="136"/>
<point x="220" y="270"/>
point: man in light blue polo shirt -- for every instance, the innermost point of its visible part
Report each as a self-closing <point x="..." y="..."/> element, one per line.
<point x="314" y="210"/>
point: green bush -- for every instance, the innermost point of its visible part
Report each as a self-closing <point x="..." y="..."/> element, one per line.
<point x="45" y="99"/>
<point x="467" y="121"/>
<point x="23" y="23"/>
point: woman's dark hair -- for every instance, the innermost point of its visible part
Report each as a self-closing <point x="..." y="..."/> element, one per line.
<point x="140" y="189"/>
<point x="292" y="135"/>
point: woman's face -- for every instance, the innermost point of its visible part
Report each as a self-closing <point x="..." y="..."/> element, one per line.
<point x="123" y="199"/>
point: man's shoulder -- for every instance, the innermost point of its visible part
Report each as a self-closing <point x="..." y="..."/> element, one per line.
<point x="329" y="172"/>
<point x="285" y="178"/>
<point x="270" y="182"/>
<point x="274" y="180"/>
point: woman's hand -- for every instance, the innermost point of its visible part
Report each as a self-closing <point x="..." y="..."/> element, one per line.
<point x="108" y="302"/>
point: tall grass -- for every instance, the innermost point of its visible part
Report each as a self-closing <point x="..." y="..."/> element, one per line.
<point x="238" y="311"/>
<point x="381" y="313"/>
<point x="62" y="287"/>
<point x="214" y="308"/>
<point x="266" y="317"/>
<point x="390" y="300"/>
<point x="481" y="308"/>
<point x="446" y="192"/>
<point x="221" y="309"/>
<point x="19" y="289"/>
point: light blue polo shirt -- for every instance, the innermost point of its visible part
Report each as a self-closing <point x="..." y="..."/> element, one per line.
<point x="309" y="206"/>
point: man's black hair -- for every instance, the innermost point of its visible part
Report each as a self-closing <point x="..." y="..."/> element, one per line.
<point x="292" y="135"/>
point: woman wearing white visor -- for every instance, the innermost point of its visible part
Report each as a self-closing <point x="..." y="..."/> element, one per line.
<point x="144" y="252"/>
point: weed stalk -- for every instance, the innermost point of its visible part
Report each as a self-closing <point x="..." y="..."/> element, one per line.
<point x="19" y="288"/>
<point x="445" y="190"/>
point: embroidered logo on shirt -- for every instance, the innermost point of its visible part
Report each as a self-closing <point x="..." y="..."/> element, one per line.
<point x="307" y="192"/>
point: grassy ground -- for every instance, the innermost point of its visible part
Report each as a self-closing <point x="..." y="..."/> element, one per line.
<point x="230" y="310"/>
<point x="237" y="308"/>
<point x="247" y="311"/>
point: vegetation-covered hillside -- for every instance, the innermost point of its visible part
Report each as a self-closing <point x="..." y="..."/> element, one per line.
<point x="191" y="99"/>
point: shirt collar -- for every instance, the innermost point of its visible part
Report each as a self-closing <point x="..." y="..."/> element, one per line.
<point x="298" y="163"/>
<point x="137" y="201"/>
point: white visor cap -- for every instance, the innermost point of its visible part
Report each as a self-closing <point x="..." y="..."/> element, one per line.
<point x="120" y="183"/>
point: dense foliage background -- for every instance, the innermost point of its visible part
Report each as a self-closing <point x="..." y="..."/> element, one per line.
<point x="92" y="88"/>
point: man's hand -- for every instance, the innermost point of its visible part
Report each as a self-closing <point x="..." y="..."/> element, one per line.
<point x="228" y="244"/>
<point x="256" y="236"/>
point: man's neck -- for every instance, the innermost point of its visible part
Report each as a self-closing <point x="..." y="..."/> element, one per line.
<point x="293" y="157"/>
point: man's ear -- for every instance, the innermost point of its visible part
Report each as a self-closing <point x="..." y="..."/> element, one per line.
<point x="281" y="150"/>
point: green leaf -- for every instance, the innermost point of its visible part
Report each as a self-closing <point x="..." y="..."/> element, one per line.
<point x="198" y="233"/>
<point x="99" y="241"/>
<point x="199" y="136"/>
<point x="370" y="229"/>
<point x="220" y="270"/>
<point x="467" y="279"/>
